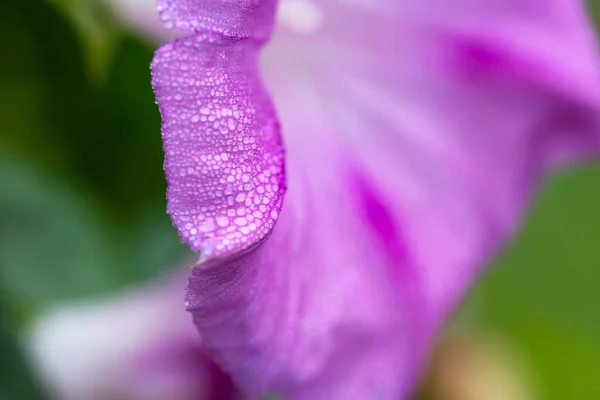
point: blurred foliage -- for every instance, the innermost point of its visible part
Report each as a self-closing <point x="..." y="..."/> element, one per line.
<point x="594" y="10"/>
<point x="85" y="188"/>
<point x="544" y="293"/>
<point x="50" y="243"/>
<point x="96" y="30"/>
<point x="16" y="382"/>
<point x="82" y="201"/>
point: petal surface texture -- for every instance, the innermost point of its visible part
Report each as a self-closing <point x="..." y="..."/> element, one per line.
<point x="233" y="18"/>
<point x="224" y="156"/>
<point x="414" y="138"/>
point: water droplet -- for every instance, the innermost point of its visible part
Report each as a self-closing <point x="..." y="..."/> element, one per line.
<point x="222" y="221"/>
<point x="241" y="221"/>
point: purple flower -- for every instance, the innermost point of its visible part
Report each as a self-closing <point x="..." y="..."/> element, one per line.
<point x="139" y="345"/>
<point x="341" y="209"/>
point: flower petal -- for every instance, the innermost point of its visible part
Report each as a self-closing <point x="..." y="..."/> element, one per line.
<point x="235" y="18"/>
<point x="224" y="156"/>
<point x="468" y="105"/>
<point x="131" y="346"/>
<point x="319" y="311"/>
<point x="410" y="161"/>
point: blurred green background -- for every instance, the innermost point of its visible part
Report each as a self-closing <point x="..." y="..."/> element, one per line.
<point x="82" y="203"/>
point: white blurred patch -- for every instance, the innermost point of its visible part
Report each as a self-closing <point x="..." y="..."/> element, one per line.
<point x="86" y="350"/>
<point x="300" y="16"/>
<point x="141" y="16"/>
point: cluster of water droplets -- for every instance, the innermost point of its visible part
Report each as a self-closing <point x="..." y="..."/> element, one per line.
<point x="233" y="18"/>
<point x="224" y="157"/>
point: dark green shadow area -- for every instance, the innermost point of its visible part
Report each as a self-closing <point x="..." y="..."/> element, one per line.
<point x="16" y="379"/>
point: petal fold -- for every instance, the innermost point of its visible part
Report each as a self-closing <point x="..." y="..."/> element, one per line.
<point x="224" y="158"/>
<point x="416" y="139"/>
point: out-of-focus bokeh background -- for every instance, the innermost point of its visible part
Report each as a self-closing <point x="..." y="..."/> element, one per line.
<point x="82" y="212"/>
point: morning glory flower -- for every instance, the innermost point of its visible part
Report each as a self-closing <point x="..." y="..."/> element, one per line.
<point x="135" y="345"/>
<point x="345" y="170"/>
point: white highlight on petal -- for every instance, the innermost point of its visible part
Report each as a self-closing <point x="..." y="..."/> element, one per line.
<point x="89" y="350"/>
<point x="141" y="16"/>
<point x="300" y="16"/>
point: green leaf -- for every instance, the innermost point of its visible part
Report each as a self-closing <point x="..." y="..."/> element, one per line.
<point x="52" y="245"/>
<point x="97" y="31"/>
<point x="154" y="244"/>
<point x="543" y="294"/>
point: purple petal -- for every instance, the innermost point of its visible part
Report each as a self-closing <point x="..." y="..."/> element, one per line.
<point x="224" y="157"/>
<point x="321" y="310"/>
<point x="454" y="120"/>
<point x="415" y="141"/>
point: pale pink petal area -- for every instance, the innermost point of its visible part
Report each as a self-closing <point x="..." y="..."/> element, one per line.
<point x="451" y="109"/>
<point x="415" y="137"/>
<point x="133" y="345"/>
